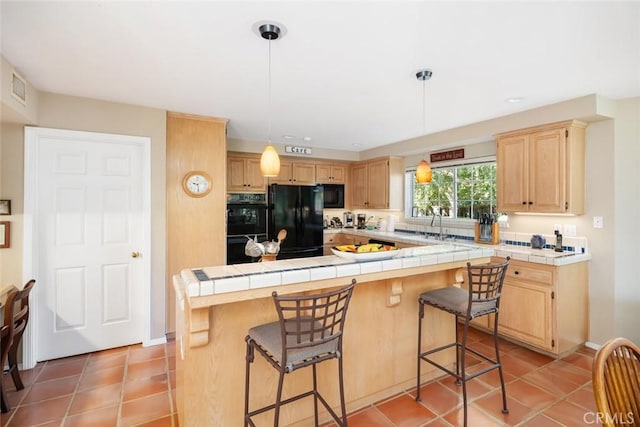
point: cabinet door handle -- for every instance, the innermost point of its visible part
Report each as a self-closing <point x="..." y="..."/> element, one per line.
<point x="530" y="203"/>
<point x="516" y="272"/>
<point x="524" y="203"/>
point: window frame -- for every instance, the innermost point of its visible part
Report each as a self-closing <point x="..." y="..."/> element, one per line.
<point x="409" y="189"/>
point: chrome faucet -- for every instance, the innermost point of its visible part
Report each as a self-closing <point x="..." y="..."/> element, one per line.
<point x="439" y="215"/>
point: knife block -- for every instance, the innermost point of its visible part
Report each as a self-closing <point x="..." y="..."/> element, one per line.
<point x="493" y="239"/>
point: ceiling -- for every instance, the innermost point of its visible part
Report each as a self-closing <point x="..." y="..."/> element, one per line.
<point x="343" y="75"/>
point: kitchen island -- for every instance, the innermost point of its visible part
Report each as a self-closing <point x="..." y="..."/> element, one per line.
<point x="218" y="305"/>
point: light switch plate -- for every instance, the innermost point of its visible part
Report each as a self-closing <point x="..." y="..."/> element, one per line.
<point x="570" y="230"/>
<point x="598" y="222"/>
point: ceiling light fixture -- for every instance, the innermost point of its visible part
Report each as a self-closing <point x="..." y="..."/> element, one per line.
<point x="423" y="171"/>
<point x="269" y="161"/>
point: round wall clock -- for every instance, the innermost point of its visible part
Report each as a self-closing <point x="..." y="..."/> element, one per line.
<point x="197" y="184"/>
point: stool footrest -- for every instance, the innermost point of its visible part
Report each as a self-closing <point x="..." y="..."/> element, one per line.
<point x="494" y="363"/>
<point x="293" y="399"/>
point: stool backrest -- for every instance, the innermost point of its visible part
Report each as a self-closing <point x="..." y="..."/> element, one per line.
<point x="312" y="320"/>
<point x="616" y="382"/>
<point x="485" y="285"/>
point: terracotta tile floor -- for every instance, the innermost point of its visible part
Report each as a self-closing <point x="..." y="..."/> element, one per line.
<point x="126" y="386"/>
<point x="135" y="386"/>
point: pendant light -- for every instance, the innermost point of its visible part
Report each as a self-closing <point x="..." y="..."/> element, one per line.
<point x="270" y="161"/>
<point x="423" y="171"/>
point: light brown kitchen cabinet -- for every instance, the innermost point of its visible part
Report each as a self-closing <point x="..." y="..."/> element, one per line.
<point x="541" y="169"/>
<point x="295" y="173"/>
<point x="544" y="306"/>
<point x="329" y="241"/>
<point x="330" y="174"/>
<point x="341" y="238"/>
<point x="243" y="174"/>
<point x="377" y="184"/>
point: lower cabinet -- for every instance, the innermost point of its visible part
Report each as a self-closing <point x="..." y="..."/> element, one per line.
<point x="544" y="307"/>
<point x="341" y="238"/>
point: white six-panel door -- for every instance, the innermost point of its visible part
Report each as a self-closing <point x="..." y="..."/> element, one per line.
<point x="89" y="229"/>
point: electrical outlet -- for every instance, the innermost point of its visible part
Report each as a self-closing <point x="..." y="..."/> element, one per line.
<point x="598" y="222"/>
<point x="570" y="230"/>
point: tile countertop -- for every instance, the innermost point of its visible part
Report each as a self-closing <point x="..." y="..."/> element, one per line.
<point x="521" y="253"/>
<point x="241" y="277"/>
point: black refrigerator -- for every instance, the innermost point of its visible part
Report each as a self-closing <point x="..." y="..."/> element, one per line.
<point x="297" y="209"/>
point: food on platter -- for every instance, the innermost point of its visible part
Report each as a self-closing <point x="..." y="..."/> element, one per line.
<point x="369" y="247"/>
<point x="367" y="252"/>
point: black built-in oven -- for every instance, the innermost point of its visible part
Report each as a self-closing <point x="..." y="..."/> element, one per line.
<point x="246" y="216"/>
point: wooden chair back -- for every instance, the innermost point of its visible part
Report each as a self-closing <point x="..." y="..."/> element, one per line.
<point x="616" y="383"/>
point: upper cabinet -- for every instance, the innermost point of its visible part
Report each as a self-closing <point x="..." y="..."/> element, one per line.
<point x="243" y="173"/>
<point x="295" y="173"/>
<point x="377" y="184"/>
<point x="330" y="174"/>
<point x="541" y="169"/>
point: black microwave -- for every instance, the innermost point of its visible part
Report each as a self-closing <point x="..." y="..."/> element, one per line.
<point x="334" y="196"/>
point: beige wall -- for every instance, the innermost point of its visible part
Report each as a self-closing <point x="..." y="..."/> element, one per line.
<point x="627" y="225"/>
<point x="67" y="112"/>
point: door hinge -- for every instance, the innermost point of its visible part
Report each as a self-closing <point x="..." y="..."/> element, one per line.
<point x="553" y="294"/>
<point x="566" y="206"/>
<point x="553" y="343"/>
<point x="566" y="133"/>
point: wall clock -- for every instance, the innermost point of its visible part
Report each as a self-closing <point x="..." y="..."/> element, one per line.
<point x="197" y="183"/>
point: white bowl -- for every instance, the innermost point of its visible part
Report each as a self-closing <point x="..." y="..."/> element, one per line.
<point x="366" y="256"/>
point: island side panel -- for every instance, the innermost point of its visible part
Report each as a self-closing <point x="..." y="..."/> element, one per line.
<point x="380" y="350"/>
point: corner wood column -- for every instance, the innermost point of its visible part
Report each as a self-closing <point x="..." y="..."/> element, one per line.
<point x="195" y="226"/>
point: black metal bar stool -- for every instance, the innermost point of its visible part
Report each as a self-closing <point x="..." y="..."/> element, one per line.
<point x="309" y="331"/>
<point x="482" y="298"/>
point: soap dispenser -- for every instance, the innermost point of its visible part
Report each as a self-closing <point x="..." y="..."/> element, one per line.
<point x="558" y="247"/>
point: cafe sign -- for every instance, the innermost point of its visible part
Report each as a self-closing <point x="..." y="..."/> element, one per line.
<point x="297" y="150"/>
<point x="447" y="155"/>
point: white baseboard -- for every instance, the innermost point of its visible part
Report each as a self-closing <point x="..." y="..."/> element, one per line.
<point x="154" y="341"/>
<point x="592" y="346"/>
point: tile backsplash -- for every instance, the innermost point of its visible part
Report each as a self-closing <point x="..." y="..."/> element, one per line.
<point x="577" y="244"/>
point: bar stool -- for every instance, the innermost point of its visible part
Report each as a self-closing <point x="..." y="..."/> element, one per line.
<point x="482" y="298"/>
<point x="309" y="331"/>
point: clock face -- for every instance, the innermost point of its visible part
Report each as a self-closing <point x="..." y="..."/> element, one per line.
<point x="197" y="184"/>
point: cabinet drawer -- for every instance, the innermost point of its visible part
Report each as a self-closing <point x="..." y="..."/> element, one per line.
<point x="331" y="239"/>
<point x="535" y="275"/>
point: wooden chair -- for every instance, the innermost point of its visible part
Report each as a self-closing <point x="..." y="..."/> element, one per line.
<point x="20" y="320"/>
<point x="6" y="338"/>
<point x="616" y="383"/>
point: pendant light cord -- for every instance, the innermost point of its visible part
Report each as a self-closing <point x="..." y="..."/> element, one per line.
<point x="270" y="106"/>
<point x="424" y="109"/>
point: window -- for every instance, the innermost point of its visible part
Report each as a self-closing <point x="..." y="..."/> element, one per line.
<point x="463" y="192"/>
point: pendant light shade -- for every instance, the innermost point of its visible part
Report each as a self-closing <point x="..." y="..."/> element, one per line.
<point x="270" y="162"/>
<point x="423" y="171"/>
